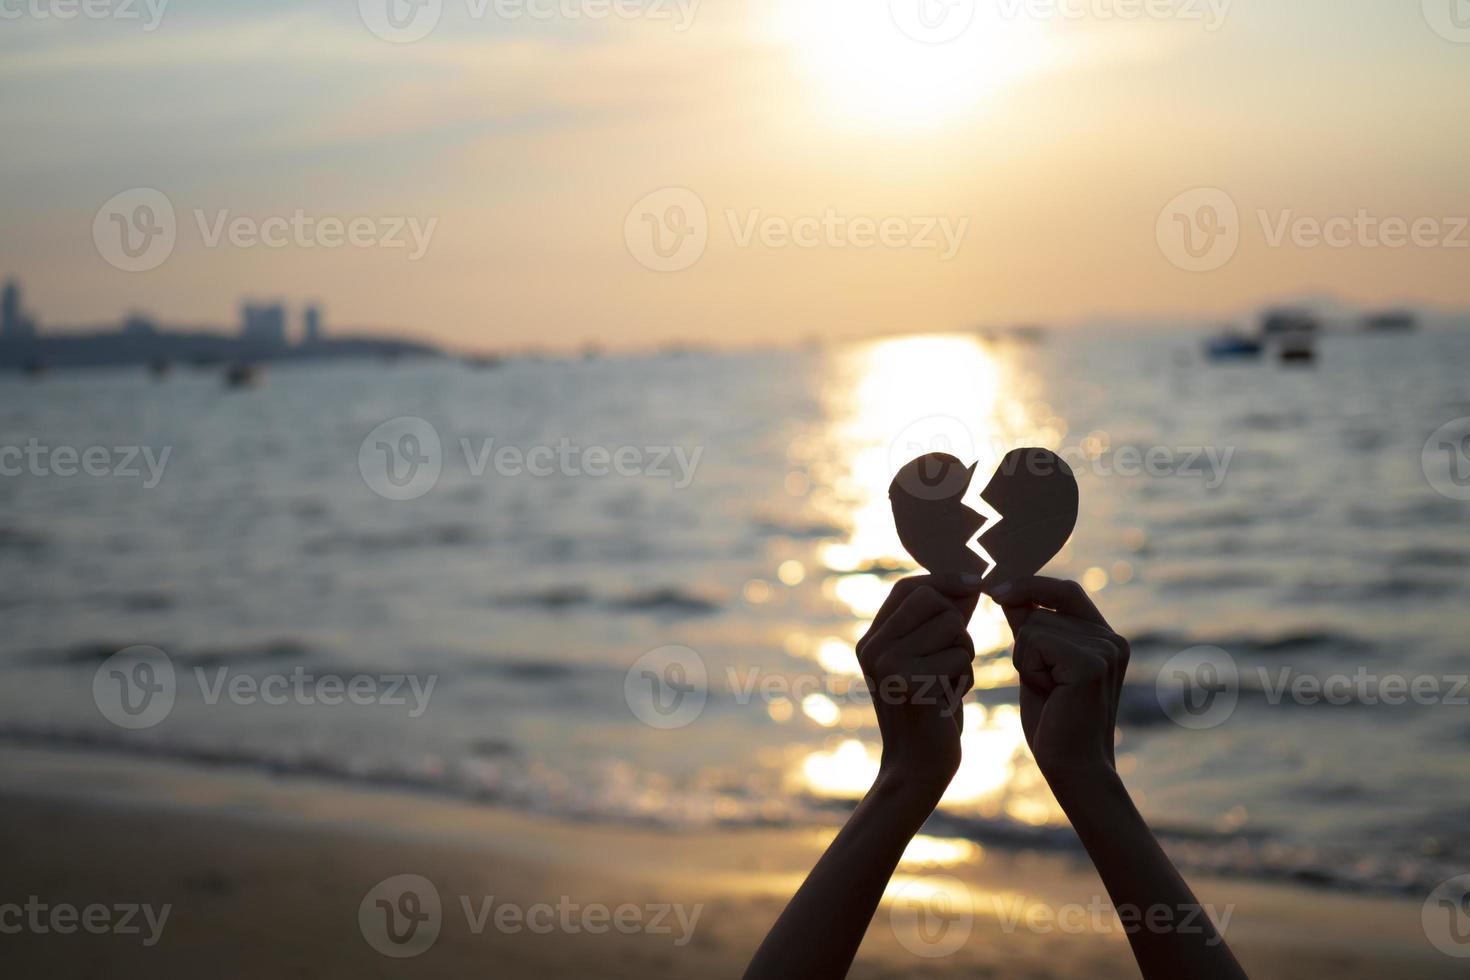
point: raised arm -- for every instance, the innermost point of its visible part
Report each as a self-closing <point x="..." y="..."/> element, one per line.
<point x="1071" y="666"/>
<point x="916" y="659"/>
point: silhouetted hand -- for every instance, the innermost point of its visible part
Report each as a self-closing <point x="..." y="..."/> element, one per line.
<point x="917" y="659"/>
<point x="1071" y="666"/>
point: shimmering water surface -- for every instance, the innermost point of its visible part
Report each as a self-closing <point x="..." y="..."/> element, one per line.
<point x="1288" y="521"/>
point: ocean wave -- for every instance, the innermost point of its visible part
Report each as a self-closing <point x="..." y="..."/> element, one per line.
<point x="555" y="597"/>
<point x="663" y="600"/>
<point x="496" y="772"/>
<point x="801" y="531"/>
<point x="406" y="539"/>
<point x="666" y="600"/>
<point x="94" y="652"/>
<point x="1212" y="581"/>
<point x="1430" y="557"/>
<point x="28" y="544"/>
<point x="1306" y="641"/>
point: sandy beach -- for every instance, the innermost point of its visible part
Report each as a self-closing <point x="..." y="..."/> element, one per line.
<point x="263" y="876"/>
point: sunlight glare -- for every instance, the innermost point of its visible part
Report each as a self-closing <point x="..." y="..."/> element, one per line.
<point x="866" y="67"/>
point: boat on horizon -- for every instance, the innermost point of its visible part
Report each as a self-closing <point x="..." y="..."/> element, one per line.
<point x="1391" y="321"/>
<point x="241" y="375"/>
<point x="1298" y="349"/>
<point x="1287" y="320"/>
<point x="1232" y="344"/>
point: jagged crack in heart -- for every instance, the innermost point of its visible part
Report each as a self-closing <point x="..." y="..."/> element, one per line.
<point x="972" y="499"/>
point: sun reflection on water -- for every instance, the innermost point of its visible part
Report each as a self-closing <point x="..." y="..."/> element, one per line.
<point x="887" y="402"/>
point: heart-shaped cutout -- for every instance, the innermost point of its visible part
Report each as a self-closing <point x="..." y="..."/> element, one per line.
<point x="1020" y="520"/>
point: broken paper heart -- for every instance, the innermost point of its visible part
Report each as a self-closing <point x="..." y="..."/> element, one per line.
<point x="1007" y="531"/>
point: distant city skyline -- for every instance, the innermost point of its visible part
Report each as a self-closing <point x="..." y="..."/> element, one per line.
<point x="265" y="323"/>
<point x="262" y="334"/>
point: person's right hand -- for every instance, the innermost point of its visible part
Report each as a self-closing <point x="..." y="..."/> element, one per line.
<point x="917" y="659"/>
<point x="1071" y="666"/>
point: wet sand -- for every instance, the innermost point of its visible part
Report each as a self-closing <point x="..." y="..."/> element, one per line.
<point x="265" y="877"/>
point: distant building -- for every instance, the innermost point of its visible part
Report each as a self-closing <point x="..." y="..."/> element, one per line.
<point x="263" y="325"/>
<point x="14" y="324"/>
<point x="313" y="326"/>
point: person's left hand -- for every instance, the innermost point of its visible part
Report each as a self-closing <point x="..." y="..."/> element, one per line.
<point x="1071" y="666"/>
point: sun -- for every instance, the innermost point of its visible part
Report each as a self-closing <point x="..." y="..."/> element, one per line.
<point x="877" y="62"/>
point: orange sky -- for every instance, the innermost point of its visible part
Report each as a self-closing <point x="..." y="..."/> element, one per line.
<point x="840" y="175"/>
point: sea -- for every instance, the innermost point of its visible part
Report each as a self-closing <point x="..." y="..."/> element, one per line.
<point x="625" y="588"/>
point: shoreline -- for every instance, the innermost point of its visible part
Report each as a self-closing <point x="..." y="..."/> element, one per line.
<point x="267" y="874"/>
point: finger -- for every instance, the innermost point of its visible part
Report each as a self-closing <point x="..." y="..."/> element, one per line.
<point x="1063" y="623"/>
<point x="937" y="633"/>
<point x="953" y="673"/>
<point x="1031" y="669"/>
<point x="901" y="590"/>
<point x="1075" y="707"/>
<point x="1052" y="593"/>
<point x="958" y="587"/>
<point x="964" y="590"/>
<point x="1109" y="645"/>
<point x="1066" y="659"/>
<point x="961" y="589"/>
<point x="922" y="605"/>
